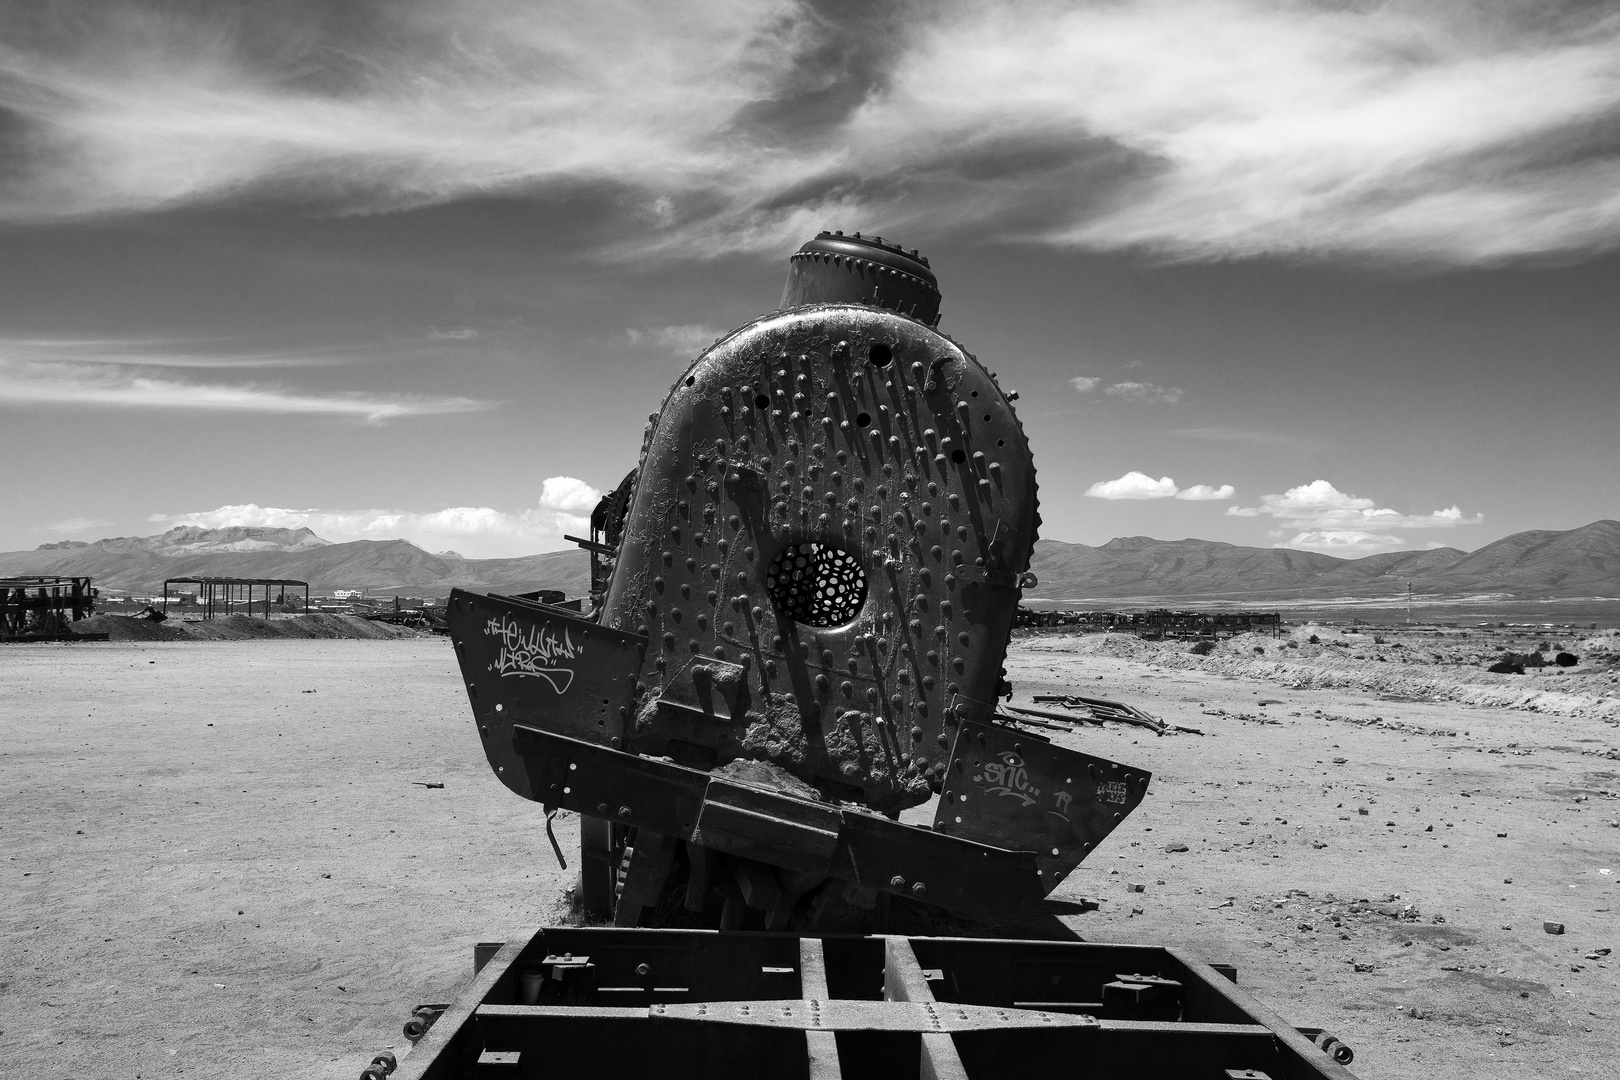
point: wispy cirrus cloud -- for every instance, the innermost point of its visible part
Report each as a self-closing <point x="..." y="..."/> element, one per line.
<point x="687" y="339"/>
<point x="147" y="374"/>
<point x="1194" y="130"/>
<point x="563" y="507"/>
<point x="1332" y="520"/>
<point x="1129" y="391"/>
<point x="1139" y="485"/>
<point x="74" y="525"/>
<point x="1141" y="391"/>
<point x="1246" y="435"/>
<point x="161" y="352"/>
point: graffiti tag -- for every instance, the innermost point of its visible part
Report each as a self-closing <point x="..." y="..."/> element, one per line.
<point x="1062" y="799"/>
<point x="1112" y="791"/>
<point x="1007" y="776"/>
<point x="535" y="652"/>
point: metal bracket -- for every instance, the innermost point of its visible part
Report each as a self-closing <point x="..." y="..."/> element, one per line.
<point x="988" y="575"/>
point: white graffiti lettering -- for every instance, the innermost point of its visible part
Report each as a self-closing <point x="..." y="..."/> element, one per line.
<point x="1113" y="791"/>
<point x="1062" y="799"/>
<point x="1007" y="776"/>
<point x="533" y="652"/>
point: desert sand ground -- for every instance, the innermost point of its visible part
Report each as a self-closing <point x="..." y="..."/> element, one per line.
<point x="219" y="858"/>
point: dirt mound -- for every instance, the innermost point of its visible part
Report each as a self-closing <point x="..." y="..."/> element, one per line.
<point x="239" y="628"/>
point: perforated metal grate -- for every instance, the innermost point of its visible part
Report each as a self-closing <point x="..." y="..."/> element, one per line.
<point x="816" y="584"/>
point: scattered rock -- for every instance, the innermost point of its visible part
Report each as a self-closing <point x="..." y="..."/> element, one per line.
<point x="1553" y="927"/>
<point x="1173" y="848"/>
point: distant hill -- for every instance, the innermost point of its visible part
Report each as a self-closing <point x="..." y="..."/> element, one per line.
<point x="1533" y="565"/>
<point x="139" y="564"/>
<point x="1536" y="565"/>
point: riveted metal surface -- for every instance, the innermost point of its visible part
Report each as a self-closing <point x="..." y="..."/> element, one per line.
<point x="872" y="434"/>
<point x="1012" y="789"/>
<point x="530" y="663"/>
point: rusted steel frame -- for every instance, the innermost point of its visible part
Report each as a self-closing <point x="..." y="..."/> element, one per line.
<point x="820" y="1047"/>
<point x="904" y="980"/>
<point x="1307" y="1053"/>
<point x="673" y="800"/>
<point x="447" y="1040"/>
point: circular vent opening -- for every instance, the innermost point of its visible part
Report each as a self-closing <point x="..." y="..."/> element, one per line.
<point x="816" y="584"/>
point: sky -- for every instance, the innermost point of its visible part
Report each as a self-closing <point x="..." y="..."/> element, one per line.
<point x="1338" y="276"/>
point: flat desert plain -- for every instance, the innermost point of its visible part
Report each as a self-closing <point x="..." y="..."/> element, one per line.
<point x="221" y="858"/>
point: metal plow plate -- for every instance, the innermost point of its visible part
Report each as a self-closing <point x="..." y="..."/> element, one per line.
<point x="1016" y="790"/>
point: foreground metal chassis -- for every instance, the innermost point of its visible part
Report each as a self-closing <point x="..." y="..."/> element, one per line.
<point x="676" y="1003"/>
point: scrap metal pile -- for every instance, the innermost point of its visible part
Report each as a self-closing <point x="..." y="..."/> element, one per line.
<point x="802" y="599"/>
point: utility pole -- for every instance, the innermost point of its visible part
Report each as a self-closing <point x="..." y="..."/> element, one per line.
<point x="1408" y="603"/>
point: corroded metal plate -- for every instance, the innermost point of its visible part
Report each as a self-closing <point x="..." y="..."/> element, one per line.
<point x="1012" y="789"/>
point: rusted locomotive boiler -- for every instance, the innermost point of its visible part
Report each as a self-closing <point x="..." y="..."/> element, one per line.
<point x="803" y="598"/>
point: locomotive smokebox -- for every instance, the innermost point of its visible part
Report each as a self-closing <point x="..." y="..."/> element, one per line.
<point x="838" y="269"/>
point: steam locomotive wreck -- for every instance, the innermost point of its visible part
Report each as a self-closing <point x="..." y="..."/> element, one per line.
<point x="802" y="600"/>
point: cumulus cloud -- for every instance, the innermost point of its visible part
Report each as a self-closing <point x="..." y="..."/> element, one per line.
<point x="1333" y="520"/>
<point x="1084" y="383"/>
<point x="1344" y="541"/>
<point x="1196" y="130"/>
<point x="1137" y="485"/>
<point x="564" y="507"/>
<point x="151" y="375"/>
<point x="1203" y="492"/>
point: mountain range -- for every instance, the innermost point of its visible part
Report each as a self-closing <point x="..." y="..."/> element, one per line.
<point x="1535" y="565"/>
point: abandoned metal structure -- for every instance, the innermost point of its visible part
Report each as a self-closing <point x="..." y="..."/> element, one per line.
<point x="219" y="594"/>
<point x="43" y="606"/>
<point x="802" y="600"/>
<point x="1160" y="623"/>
